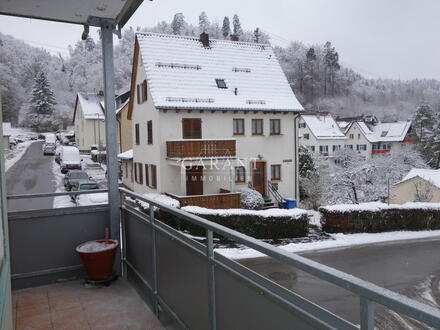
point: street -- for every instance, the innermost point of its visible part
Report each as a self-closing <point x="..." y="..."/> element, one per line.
<point x="411" y="268"/>
<point x="31" y="174"/>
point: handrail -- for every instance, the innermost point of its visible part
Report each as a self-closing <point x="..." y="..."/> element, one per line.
<point x="54" y="194"/>
<point x="275" y="192"/>
<point x="367" y="291"/>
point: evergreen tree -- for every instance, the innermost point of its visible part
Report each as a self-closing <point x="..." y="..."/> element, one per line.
<point x="257" y="35"/>
<point x="178" y="24"/>
<point x="226" y="27"/>
<point x="203" y="22"/>
<point x="424" y="122"/>
<point x="331" y="65"/>
<point x="43" y="99"/>
<point x="238" y="31"/>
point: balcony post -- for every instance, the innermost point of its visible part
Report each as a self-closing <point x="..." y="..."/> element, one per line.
<point x="107" y="29"/>
<point x="211" y="279"/>
<point x="182" y="180"/>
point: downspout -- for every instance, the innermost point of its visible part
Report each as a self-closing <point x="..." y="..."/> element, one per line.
<point x="295" y="155"/>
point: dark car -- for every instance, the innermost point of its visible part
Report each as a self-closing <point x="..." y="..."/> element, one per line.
<point x="83" y="185"/>
<point x="74" y="176"/>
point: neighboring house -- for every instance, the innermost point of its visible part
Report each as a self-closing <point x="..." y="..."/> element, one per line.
<point x="6" y="135"/>
<point x="89" y="121"/>
<point x="320" y="133"/>
<point x="419" y="185"/>
<point x="125" y="134"/>
<point x="127" y="172"/>
<point x="210" y="117"/>
<point x="379" y="138"/>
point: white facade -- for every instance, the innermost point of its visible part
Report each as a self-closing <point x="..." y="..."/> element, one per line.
<point x="275" y="154"/>
<point x="89" y="121"/>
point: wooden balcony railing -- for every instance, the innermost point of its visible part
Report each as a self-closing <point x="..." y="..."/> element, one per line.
<point x="212" y="201"/>
<point x="200" y="148"/>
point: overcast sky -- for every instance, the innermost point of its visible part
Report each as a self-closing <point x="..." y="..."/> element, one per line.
<point x="378" y="38"/>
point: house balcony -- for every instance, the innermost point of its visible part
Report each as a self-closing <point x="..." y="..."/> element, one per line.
<point x="201" y="148"/>
<point x="380" y="152"/>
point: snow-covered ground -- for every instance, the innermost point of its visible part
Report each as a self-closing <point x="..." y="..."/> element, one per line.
<point x="14" y="154"/>
<point x="335" y="241"/>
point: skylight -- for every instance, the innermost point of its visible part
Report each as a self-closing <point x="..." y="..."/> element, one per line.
<point x="221" y="83"/>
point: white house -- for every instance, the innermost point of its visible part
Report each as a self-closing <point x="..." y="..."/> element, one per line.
<point x="379" y="138"/>
<point x="320" y="133"/>
<point x="6" y="129"/>
<point x="89" y="121"/>
<point x="210" y="117"/>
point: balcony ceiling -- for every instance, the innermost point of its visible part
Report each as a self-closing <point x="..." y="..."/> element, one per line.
<point x="85" y="12"/>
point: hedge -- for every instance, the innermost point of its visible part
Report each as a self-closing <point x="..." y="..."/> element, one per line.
<point x="379" y="217"/>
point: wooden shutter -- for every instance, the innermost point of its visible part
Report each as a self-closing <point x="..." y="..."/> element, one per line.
<point x="141" y="177"/>
<point x="135" y="172"/>
<point x="144" y="91"/>
<point x="147" y="176"/>
<point x="138" y="94"/>
<point x="150" y="132"/>
<point x="137" y="134"/>
<point x="153" y="176"/>
<point x="192" y="128"/>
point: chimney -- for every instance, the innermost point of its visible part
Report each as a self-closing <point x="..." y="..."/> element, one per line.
<point x="235" y="37"/>
<point x="101" y="93"/>
<point x="204" y="39"/>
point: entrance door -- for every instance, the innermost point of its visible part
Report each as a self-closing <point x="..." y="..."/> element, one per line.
<point x="259" y="177"/>
<point x="194" y="180"/>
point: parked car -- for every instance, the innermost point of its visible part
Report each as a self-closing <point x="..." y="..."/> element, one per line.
<point x="49" y="149"/>
<point x="92" y="199"/>
<point x="49" y="138"/>
<point x="85" y="185"/>
<point x="58" y="155"/>
<point x="69" y="159"/>
<point x="74" y="176"/>
<point x="33" y="136"/>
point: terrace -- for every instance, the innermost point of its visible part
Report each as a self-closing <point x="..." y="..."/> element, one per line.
<point x="185" y="283"/>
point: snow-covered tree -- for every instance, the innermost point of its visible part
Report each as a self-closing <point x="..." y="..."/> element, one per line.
<point x="238" y="31"/>
<point x="424" y="122"/>
<point x="309" y="181"/>
<point x="43" y="99"/>
<point x="226" y="27"/>
<point x="203" y="22"/>
<point x="178" y="24"/>
<point x="257" y="35"/>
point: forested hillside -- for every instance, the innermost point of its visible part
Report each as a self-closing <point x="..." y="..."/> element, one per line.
<point x="314" y="72"/>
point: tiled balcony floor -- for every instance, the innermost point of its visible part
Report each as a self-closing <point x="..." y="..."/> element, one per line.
<point x="73" y="305"/>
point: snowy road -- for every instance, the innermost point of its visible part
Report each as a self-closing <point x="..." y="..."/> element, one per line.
<point x="31" y="174"/>
<point x="411" y="268"/>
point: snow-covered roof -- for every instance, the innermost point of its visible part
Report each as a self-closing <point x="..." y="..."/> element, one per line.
<point x="126" y="154"/>
<point x="344" y="125"/>
<point x="91" y="105"/>
<point x="122" y="106"/>
<point x="430" y="175"/>
<point x="385" y="132"/>
<point x="323" y="126"/>
<point x="182" y="74"/>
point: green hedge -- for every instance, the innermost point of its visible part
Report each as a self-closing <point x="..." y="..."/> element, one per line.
<point x="277" y="227"/>
<point x="389" y="219"/>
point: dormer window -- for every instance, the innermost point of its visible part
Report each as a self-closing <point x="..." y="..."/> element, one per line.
<point x="221" y="83"/>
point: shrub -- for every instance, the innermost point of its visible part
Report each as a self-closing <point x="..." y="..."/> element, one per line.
<point x="251" y="199"/>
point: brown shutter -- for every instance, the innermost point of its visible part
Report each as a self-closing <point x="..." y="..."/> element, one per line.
<point x="147" y="176"/>
<point x="145" y="92"/>
<point x="138" y="94"/>
<point x="150" y="132"/>
<point x="141" y="177"/>
<point x="153" y="176"/>
<point x="137" y="134"/>
<point x="135" y="172"/>
<point x="192" y="128"/>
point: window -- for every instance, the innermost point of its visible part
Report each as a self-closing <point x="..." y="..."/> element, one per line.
<point x="150" y="132"/>
<point x="275" y="172"/>
<point x="359" y="136"/>
<point x="349" y="146"/>
<point x="238" y="126"/>
<point x="147" y="175"/>
<point x="153" y="177"/>
<point x="142" y="92"/>
<point x="361" y="147"/>
<point x="302" y="125"/>
<point x="138" y="173"/>
<point x="336" y="147"/>
<point x="374" y="146"/>
<point x="240" y="174"/>
<point x="221" y="83"/>
<point x="275" y="127"/>
<point x="306" y="136"/>
<point x="137" y="135"/>
<point x="312" y="148"/>
<point x="257" y="126"/>
<point x="323" y="149"/>
<point x="192" y="128"/>
<point x="351" y="136"/>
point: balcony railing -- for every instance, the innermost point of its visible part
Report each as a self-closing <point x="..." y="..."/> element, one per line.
<point x="224" y="200"/>
<point x="201" y="148"/>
